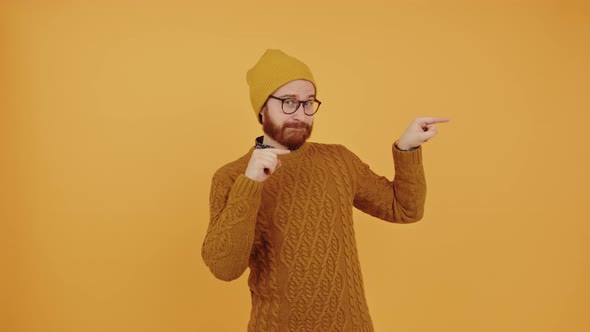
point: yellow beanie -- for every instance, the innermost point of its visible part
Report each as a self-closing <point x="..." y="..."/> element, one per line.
<point x="273" y="70"/>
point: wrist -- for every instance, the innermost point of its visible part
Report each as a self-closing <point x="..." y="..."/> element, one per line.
<point x="404" y="147"/>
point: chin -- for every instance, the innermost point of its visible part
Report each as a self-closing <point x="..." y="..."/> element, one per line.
<point x="293" y="142"/>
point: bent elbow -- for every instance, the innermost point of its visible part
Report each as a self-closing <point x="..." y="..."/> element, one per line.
<point x="223" y="262"/>
<point x="410" y="217"/>
<point x="413" y="219"/>
<point x="226" y="274"/>
<point x="224" y="269"/>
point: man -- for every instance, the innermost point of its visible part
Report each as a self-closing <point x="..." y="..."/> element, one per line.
<point x="285" y="208"/>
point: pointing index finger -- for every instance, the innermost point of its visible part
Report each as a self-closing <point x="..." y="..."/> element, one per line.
<point x="432" y="120"/>
<point x="278" y="151"/>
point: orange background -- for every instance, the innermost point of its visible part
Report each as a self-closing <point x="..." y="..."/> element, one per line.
<point x="115" y="116"/>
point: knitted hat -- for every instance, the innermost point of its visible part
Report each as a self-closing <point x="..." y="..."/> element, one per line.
<point x="273" y="70"/>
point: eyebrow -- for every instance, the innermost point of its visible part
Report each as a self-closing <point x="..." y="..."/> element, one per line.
<point x="293" y="96"/>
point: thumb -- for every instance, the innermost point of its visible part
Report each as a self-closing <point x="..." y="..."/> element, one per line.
<point x="428" y="134"/>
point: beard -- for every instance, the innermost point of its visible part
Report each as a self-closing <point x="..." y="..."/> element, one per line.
<point x="291" y="135"/>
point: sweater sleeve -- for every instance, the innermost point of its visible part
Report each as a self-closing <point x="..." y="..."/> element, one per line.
<point x="401" y="200"/>
<point x="228" y="242"/>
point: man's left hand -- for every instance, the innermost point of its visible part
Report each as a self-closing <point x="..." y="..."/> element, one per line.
<point x="419" y="131"/>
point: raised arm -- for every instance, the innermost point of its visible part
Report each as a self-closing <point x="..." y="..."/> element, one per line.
<point x="401" y="200"/>
<point x="233" y="206"/>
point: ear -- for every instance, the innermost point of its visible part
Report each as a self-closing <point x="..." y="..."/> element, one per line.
<point x="261" y="114"/>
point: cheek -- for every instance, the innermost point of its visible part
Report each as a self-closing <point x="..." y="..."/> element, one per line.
<point x="275" y="118"/>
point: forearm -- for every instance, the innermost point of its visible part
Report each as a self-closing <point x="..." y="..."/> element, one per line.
<point x="400" y="200"/>
<point x="409" y="186"/>
<point x="227" y="245"/>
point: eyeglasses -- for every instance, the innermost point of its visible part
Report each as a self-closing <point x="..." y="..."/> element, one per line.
<point x="291" y="105"/>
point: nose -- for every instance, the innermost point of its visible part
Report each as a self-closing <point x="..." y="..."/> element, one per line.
<point x="299" y="113"/>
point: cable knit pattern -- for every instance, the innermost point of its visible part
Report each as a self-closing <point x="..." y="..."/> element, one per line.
<point x="295" y="232"/>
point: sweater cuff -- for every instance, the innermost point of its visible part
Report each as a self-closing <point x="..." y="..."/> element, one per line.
<point x="246" y="187"/>
<point x="401" y="157"/>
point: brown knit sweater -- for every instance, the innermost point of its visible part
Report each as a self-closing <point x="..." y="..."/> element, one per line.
<point x="295" y="233"/>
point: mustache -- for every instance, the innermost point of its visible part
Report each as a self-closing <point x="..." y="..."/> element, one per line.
<point x="297" y="125"/>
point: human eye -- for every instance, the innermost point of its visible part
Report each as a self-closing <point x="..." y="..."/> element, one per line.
<point x="290" y="102"/>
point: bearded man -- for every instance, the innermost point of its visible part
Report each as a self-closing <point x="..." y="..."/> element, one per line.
<point x="284" y="209"/>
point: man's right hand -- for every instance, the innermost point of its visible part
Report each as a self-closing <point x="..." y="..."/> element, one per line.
<point x="263" y="163"/>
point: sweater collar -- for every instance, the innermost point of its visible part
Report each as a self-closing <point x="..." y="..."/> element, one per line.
<point x="294" y="153"/>
<point x="260" y="145"/>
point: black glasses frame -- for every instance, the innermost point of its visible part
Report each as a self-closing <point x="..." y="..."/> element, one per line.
<point x="299" y="102"/>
